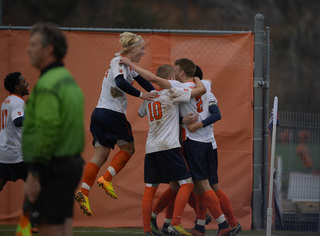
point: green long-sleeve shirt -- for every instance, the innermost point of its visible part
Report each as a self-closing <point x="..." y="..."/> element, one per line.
<point x="54" y="116"/>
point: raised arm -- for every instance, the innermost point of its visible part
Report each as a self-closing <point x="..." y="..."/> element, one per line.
<point x="163" y="83"/>
<point x="199" y="89"/>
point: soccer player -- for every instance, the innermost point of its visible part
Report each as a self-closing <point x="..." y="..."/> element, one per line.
<point x="53" y="134"/>
<point x="164" y="162"/>
<point x="12" y="166"/>
<point x="109" y="125"/>
<point x="195" y="134"/>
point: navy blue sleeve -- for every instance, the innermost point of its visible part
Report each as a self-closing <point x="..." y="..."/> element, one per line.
<point x="18" y="121"/>
<point x="144" y="83"/>
<point x="126" y="87"/>
<point x="215" y="115"/>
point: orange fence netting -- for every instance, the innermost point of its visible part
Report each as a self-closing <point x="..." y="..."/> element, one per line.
<point x="227" y="60"/>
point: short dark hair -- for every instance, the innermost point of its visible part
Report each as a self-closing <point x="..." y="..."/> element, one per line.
<point x="198" y="72"/>
<point x="51" y="34"/>
<point x="11" y="81"/>
<point x="165" y="71"/>
<point x="187" y="65"/>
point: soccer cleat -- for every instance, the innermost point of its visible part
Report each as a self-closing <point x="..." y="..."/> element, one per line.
<point x="83" y="201"/>
<point x="164" y="229"/>
<point x="154" y="227"/>
<point x="224" y="232"/>
<point x="178" y="230"/>
<point x="236" y="230"/>
<point x="107" y="186"/>
<point x="195" y="232"/>
<point x="208" y="219"/>
<point x="147" y="233"/>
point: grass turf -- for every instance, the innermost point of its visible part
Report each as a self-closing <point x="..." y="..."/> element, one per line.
<point x="9" y="230"/>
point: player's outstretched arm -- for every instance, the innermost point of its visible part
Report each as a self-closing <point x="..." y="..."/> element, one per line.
<point x="199" y="90"/>
<point x="163" y="83"/>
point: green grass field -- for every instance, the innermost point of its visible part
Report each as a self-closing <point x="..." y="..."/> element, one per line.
<point x="9" y="230"/>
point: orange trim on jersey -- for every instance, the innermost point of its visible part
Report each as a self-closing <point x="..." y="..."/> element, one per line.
<point x="16" y="95"/>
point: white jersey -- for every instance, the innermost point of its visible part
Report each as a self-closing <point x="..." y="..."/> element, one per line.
<point x="163" y="114"/>
<point x="10" y="135"/>
<point x="198" y="105"/>
<point x="112" y="97"/>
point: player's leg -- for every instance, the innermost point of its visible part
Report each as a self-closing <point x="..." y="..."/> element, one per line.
<point x="186" y="187"/>
<point x="163" y="201"/>
<point x="118" y="162"/>
<point x="212" y="202"/>
<point x="90" y="174"/>
<point x="227" y="209"/>
<point x="201" y="212"/>
<point x="120" y="129"/>
<point x="120" y="159"/>
<point x="168" y="217"/>
<point x="149" y="191"/>
<point x="223" y="198"/>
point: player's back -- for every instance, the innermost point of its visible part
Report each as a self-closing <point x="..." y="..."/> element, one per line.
<point x="163" y="114"/>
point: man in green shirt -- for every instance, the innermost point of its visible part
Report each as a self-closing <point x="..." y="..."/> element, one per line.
<point x="53" y="134"/>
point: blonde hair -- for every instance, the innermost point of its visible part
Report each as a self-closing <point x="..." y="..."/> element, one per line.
<point x="165" y="71"/>
<point x="128" y="40"/>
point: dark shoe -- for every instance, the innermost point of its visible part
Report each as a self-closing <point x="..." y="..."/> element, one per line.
<point x="236" y="230"/>
<point x="154" y="227"/>
<point x="208" y="219"/>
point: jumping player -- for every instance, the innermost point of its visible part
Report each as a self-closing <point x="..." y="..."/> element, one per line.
<point x="109" y="125"/>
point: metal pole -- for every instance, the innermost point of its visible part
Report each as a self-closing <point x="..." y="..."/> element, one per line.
<point x="265" y="126"/>
<point x="258" y="122"/>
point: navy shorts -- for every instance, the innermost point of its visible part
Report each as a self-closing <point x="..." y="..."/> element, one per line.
<point x="202" y="160"/>
<point x="58" y="184"/>
<point x="109" y="126"/>
<point x="165" y="166"/>
<point x="13" y="172"/>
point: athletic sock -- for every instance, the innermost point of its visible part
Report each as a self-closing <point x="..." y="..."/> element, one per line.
<point x="147" y="207"/>
<point x="169" y="209"/>
<point x="163" y="201"/>
<point x="117" y="163"/>
<point x="200" y="226"/>
<point x="212" y="202"/>
<point x="226" y="208"/>
<point x="181" y="202"/>
<point x="89" y="177"/>
<point x="192" y="201"/>
<point x="201" y="213"/>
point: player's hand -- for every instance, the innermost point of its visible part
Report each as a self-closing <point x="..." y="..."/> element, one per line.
<point x="148" y="96"/>
<point x="194" y="127"/>
<point x="190" y="118"/>
<point x="126" y="61"/>
<point x="32" y="187"/>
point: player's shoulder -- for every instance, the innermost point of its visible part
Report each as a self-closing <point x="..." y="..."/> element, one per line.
<point x="15" y="98"/>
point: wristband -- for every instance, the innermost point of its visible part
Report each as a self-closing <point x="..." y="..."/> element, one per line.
<point x="140" y="96"/>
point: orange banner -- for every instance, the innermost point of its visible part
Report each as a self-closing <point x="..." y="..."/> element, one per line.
<point x="227" y="60"/>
